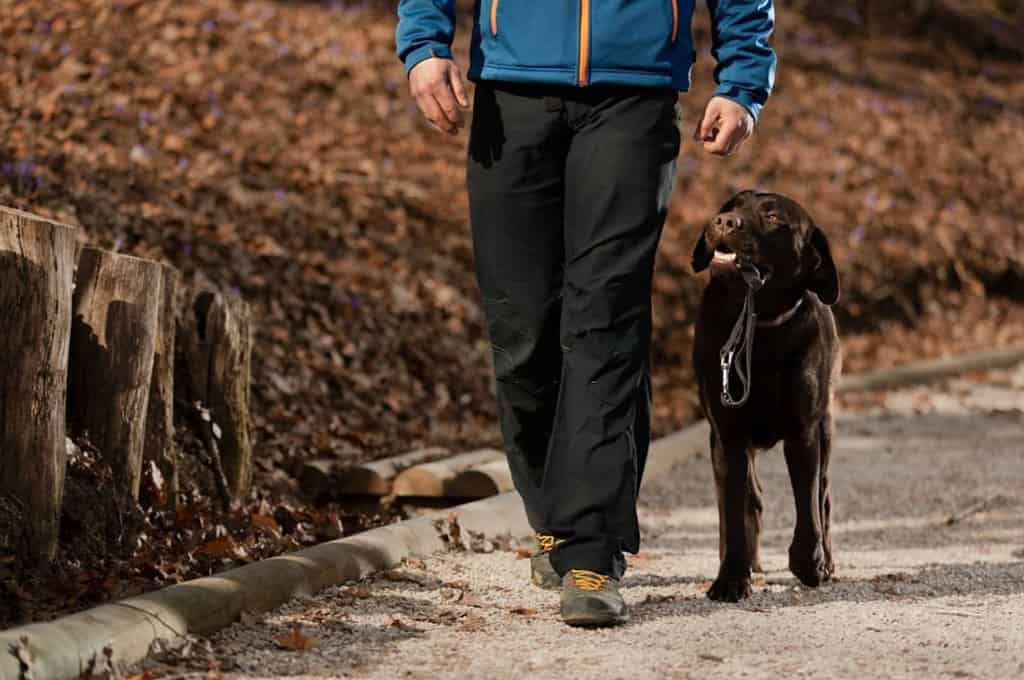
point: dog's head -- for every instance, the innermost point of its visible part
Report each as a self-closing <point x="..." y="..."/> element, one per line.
<point x="776" y="235"/>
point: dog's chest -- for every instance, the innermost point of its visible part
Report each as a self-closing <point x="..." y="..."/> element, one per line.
<point x="766" y="417"/>
<point x="768" y="407"/>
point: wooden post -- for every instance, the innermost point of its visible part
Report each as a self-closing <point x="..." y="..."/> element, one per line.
<point x="215" y="338"/>
<point x="113" y="339"/>
<point x="160" y="448"/>
<point x="37" y="264"/>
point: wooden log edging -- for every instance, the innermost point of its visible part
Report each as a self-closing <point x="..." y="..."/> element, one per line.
<point x="933" y="369"/>
<point x="481" y="480"/>
<point x="117" y="303"/>
<point x="433" y="480"/>
<point x="159" y="449"/>
<point x="331" y="479"/>
<point x="62" y="649"/>
<point x="215" y="335"/>
<point x="37" y="264"/>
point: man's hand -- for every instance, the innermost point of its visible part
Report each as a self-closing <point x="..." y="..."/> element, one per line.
<point x="724" y="127"/>
<point x="436" y="85"/>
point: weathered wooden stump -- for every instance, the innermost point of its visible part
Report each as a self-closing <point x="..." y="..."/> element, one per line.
<point x="113" y="339"/>
<point x="160" y="448"/>
<point x="329" y="479"/>
<point x="215" y="344"/>
<point x="433" y="480"/>
<point x="37" y="264"/>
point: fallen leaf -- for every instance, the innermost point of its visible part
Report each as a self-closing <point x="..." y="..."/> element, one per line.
<point x="223" y="547"/>
<point x="296" y="640"/>
<point x="267" y="525"/>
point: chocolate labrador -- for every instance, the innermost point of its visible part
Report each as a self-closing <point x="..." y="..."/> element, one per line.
<point x="774" y="381"/>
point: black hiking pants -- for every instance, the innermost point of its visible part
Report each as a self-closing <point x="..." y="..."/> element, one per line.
<point x="568" y="192"/>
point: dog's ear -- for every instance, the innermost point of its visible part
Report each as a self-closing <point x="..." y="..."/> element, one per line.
<point x="701" y="255"/>
<point x="822" y="276"/>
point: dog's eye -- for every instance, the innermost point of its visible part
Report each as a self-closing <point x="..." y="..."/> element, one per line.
<point x="773" y="219"/>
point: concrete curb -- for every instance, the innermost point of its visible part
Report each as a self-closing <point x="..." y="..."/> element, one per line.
<point x="66" y="647"/>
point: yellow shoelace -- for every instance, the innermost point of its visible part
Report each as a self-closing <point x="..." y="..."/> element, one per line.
<point x="588" y="580"/>
<point x="546" y="542"/>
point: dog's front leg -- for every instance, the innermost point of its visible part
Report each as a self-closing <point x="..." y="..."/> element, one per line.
<point x="808" y="559"/>
<point x="731" y="460"/>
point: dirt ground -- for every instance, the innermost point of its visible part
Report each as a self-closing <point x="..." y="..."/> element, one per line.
<point x="270" y="148"/>
<point x="930" y="556"/>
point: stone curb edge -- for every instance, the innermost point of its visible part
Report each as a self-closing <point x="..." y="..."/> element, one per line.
<point x="127" y="629"/>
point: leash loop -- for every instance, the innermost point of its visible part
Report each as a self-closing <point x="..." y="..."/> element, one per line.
<point x="741" y="341"/>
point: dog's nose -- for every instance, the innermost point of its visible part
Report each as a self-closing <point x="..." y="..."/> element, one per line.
<point x="727" y="222"/>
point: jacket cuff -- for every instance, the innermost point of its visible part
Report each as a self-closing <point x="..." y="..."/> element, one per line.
<point x="752" y="100"/>
<point x="426" y="52"/>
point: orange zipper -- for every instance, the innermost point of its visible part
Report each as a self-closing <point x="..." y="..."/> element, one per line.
<point x="675" y="20"/>
<point x="581" y="74"/>
<point x="494" y="17"/>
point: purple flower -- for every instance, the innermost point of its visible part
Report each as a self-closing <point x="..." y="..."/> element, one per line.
<point x="858" y="234"/>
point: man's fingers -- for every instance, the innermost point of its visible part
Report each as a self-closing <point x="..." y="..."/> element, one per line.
<point x="446" y="99"/>
<point x="432" y="112"/>
<point x="439" y="92"/>
<point x="458" y="87"/>
<point x="725" y="142"/>
<point x="710" y="123"/>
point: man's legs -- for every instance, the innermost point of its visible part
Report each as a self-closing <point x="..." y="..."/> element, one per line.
<point x="515" y="172"/>
<point x="619" y="175"/>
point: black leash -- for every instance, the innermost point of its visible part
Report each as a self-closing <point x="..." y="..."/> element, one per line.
<point x="741" y="340"/>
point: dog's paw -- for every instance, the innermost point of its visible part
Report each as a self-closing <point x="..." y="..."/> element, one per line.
<point x="730" y="589"/>
<point x="811" y="566"/>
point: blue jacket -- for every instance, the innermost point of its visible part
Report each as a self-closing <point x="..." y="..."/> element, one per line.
<point x="582" y="42"/>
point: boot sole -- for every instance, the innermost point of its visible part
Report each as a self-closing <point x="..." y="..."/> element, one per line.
<point x="595" y="621"/>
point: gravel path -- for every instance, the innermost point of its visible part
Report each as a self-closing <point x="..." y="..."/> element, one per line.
<point x="929" y="536"/>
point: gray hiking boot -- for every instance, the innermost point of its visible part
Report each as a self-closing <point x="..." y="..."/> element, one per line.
<point x="590" y="599"/>
<point x="542" y="573"/>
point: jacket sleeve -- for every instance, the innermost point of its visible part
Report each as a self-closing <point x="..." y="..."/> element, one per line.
<point x="745" y="70"/>
<point x="425" y="29"/>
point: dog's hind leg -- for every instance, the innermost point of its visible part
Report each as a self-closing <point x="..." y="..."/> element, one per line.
<point x="731" y="465"/>
<point x="804" y="459"/>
